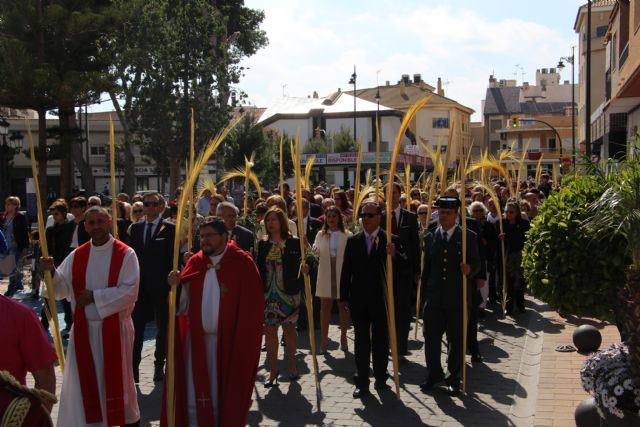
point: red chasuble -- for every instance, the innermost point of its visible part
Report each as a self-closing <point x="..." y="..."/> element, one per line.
<point x="239" y="339"/>
<point x="111" y="344"/>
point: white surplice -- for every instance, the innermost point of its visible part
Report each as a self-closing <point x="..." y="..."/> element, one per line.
<point x="210" y="310"/>
<point x="118" y="299"/>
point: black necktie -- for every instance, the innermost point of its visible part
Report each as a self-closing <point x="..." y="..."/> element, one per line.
<point x="445" y="236"/>
<point x="147" y="237"/>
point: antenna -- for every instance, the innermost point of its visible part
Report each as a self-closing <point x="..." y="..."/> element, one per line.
<point x="521" y="69"/>
<point x="284" y="87"/>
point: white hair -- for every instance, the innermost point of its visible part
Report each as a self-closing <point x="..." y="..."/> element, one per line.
<point x="476" y="204"/>
<point x="227" y="205"/>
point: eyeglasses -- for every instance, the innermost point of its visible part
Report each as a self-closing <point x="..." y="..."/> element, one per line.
<point x="368" y="215"/>
<point x="149" y="204"/>
<point x="136" y="211"/>
<point x="422" y="213"/>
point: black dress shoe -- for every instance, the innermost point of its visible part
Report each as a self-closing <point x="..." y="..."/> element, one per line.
<point x="380" y="384"/>
<point x="360" y="392"/>
<point x="136" y="376"/>
<point x="158" y="374"/>
<point x="453" y="389"/>
<point x="430" y="382"/>
<point x="476" y="358"/>
<point x="272" y="382"/>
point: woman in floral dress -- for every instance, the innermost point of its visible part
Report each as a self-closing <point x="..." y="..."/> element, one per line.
<point x="278" y="260"/>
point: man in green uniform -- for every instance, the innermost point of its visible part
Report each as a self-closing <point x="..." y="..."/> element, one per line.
<point x="442" y="293"/>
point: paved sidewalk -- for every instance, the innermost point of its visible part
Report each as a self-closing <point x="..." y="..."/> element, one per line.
<point x="522" y="381"/>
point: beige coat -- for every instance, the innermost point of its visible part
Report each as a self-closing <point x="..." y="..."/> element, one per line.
<point x="322" y="246"/>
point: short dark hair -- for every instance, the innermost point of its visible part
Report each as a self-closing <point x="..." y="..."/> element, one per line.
<point x="60" y="207"/>
<point x="214" y="222"/>
<point x="155" y="194"/>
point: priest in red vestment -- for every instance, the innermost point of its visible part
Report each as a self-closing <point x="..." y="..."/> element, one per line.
<point x="218" y="332"/>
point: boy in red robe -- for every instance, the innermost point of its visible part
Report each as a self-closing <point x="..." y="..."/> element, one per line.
<point x="218" y="334"/>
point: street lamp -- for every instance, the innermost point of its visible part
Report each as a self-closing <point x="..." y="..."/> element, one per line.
<point x="352" y="81"/>
<point x="571" y="60"/>
<point x="378" y="133"/>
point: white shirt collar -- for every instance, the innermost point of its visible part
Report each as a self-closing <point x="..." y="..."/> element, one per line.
<point x="374" y="234"/>
<point x="449" y="231"/>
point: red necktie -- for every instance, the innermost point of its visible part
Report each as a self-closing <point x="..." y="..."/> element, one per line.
<point x="394" y="223"/>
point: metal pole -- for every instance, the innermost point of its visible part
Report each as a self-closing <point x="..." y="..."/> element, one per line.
<point x="573" y="107"/>
<point x="4" y="162"/>
<point x="587" y="122"/>
<point x="354" y="103"/>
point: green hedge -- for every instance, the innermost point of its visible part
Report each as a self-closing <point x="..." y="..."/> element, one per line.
<point x="565" y="265"/>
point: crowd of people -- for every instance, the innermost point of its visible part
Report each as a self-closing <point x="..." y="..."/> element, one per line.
<point x="240" y="288"/>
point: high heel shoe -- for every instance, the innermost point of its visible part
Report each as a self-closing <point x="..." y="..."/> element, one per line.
<point x="272" y="382"/>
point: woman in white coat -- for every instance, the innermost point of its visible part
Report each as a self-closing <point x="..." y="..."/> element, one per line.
<point x="329" y="244"/>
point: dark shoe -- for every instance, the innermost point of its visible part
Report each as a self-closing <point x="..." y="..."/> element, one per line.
<point x="294" y="377"/>
<point x="380" y="384"/>
<point x="272" y="382"/>
<point x="136" y="376"/>
<point x="476" y="358"/>
<point x="360" y="392"/>
<point x="453" y="389"/>
<point x="344" y="344"/>
<point x="35" y="295"/>
<point x="521" y="309"/>
<point x="481" y="313"/>
<point x="158" y="374"/>
<point x="403" y="352"/>
<point x="430" y="382"/>
<point x="264" y="348"/>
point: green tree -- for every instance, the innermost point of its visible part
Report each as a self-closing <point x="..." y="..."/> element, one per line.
<point x="315" y="146"/>
<point x="343" y="141"/>
<point x="196" y="69"/>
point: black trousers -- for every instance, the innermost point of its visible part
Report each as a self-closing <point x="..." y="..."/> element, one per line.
<point x="371" y="338"/>
<point x="515" y="292"/>
<point x="147" y="308"/>
<point x="437" y="321"/>
<point x="68" y="315"/>
<point x="402" y="290"/>
<point x="494" y="283"/>
<point x="472" y="325"/>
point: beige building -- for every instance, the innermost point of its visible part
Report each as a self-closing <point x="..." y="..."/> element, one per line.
<point x="533" y="117"/>
<point x="432" y="123"/>
<point x="620" y="117"/>
<point x="600" y="11"/>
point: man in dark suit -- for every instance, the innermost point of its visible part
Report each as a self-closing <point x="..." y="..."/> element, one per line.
<point x="77" y="234"/>
<point x="404" y="224"/>
<point x="244" y="238"/>
<point x="363" y="286"/>
<point x="152" y="240"/>
<point x="442" y="293"/>
<point x="315" y="209"/>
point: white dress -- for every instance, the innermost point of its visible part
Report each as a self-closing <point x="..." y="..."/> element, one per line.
<point x="118" y="299"/>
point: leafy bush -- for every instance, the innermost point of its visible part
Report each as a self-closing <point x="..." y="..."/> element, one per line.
<point x="315" y="146"/>
<point x="343" y="141"/>
<point x="564" y="263"/>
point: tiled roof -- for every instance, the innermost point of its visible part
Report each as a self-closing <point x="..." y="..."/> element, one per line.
<point x="502" y="100"/>
<point x="337" y="103"/>
<point x="393" y="96"/>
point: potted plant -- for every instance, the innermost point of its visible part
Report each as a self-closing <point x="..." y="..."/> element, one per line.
<point x="617" y="213"/>
<point x="606" y="375"/>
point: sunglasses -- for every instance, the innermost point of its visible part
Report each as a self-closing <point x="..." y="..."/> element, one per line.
<point x="75" y="206"/>
<point x="369" y="215"/>
<point x="422" y="213"/>
<point x="149" y="204"/>
<point x="137" y="211"/>
<point x="477" y="210"/>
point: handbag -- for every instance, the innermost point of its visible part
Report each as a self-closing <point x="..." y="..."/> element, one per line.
<point x="7" y="264"/>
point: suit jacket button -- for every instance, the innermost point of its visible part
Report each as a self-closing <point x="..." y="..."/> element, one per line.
<point x="444" y="278"/>
<point x="444" y="260"/>
<point x="444" y="269"/>
<point x="445" y="251"/>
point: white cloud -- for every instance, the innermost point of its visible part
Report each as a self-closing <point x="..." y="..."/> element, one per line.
<point x="313" y="47"/>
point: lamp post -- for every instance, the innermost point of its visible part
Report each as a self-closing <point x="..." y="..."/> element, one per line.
<point x="352" y="81"/>
<point x="571" y="60"/>
<point x="7" y="151"/>
<point x="378" y="133"/>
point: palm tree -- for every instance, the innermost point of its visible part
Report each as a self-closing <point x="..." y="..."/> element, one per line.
<point x="617" y="213"/>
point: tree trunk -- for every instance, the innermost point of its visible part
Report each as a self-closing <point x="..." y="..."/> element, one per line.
<point x="66" y="161"/>
<point x="83" y="166"/>
<point x="41" y="156"/>
<point x="129" y="185"/>
<point x="174" y="176"/>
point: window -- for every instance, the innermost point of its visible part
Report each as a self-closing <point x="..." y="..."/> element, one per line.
<point x="142" y="183"/>
<point x="601" y="31"/>
<point x="440" y="122"/>
<point x="551" y="144"/>
<point x="496" y="125"/>
<point x="98" y="150"/>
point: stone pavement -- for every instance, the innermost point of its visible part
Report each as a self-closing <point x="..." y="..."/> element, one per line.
<point x="522" y="381"/>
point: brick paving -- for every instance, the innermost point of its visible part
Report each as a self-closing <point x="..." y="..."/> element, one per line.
<point x="522" y="381"/>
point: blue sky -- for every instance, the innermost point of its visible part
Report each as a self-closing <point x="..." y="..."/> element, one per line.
<point x="314" y="44"/>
